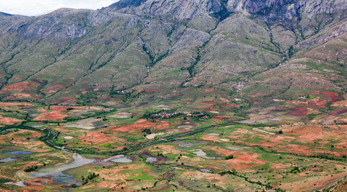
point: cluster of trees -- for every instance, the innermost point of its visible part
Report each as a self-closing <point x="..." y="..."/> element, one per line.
<point x="31" y="168"/>
<point x="296" y="170"/>
<point x="90" y="177"/>
<point x="229" y="157"/>
<point x="151" y="112"/>
<point x="148" y="131"/>
<point x="233" y="172"/>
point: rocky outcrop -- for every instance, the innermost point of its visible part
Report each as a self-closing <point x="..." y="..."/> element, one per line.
<point x="311" y="8"/>
<point x="180" y="9"/>
<point x="64" y="23"/>
<point x="287" y="9"/>
<point x="6" y="18"/>
<point x="183" y="9"/>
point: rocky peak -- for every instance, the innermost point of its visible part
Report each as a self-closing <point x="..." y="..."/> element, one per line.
<point x="180" y="9"/>
<point x="62" y="23"/>
<point x="286" y="9"/>
<point x="6" y="18"/>
<point x="187" y="9"/>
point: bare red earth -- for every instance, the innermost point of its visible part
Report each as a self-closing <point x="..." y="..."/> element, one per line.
<point x="142" y="124"/>
<point x="298" y="111"/>
<point x="51" y="116"/>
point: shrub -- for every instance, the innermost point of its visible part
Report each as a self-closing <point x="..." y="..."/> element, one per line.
<point x="229" y="157"/>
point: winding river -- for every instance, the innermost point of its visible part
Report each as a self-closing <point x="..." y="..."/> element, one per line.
<point x="57" y="172"/>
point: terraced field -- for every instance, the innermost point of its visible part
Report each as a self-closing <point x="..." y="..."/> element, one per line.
<point x="163" y="150"/>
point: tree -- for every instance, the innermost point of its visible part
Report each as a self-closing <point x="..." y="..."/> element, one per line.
<point x="229" y="157"/>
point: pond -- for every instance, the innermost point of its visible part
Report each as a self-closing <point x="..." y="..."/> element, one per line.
<point x="213" y="134"/>
<point x="57" y="171"/>
<point x="121" y="159"/>
<point x="151" y="159"/>
<point x="9" y="159"/>
<point x="19" y="153"/>
<point x="205" y="170"/>
<point x="201" y="153"/>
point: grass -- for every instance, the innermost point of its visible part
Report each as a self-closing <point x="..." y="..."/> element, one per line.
<point x="137" y="175"/>
<point x="264" y="167"/>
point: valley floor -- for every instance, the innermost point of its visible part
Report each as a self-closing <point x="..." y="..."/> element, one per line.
<point x="205" y="145"/>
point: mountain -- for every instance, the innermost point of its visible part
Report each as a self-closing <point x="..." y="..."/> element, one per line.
<point x="148" y="48"/>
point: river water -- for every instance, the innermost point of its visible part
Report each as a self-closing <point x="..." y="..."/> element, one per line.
<point x="57" y="172"/>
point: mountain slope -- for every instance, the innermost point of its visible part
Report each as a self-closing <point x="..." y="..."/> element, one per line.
<point x="153" y="46"/>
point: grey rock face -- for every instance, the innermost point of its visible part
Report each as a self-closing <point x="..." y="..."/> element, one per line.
<point x="286" y="9"/>
<point x="8" y="18"/>
<point x="180" y="9"/>
<point x="183" y="9"/>
<point x="311" y="8"/>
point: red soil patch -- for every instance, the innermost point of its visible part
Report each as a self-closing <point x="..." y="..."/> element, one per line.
<point x="100" y="138"/>
<point x="22" y="95"/>
<point x="297" y="149"/>
<point x="223" y="152"/>
<point x="298" y="111"/>
<point x="344" y="110"/>
<point x="308" y="133"/>
<point x="305" y="134"/>
<point x="55" y="113"/>
<point x="332" y="95"/>
<point x="21" y="132"/>
<point x="317" y="103"/>
<point x="13" y="134"/>
<point x="280" y="137"/>
<point x="64" y="108"/>
<point x="210" y="138"/>
<point x="8" y="121"/>
<point x="341" y="121"/>
<point x="51" y="116"/>
<point x="303" y="150"/>
<point x="55" y="88"/>
<point x="41" y="110"/>
<point x="209" y="90"/>
<point x="219" y="118"/>
<point x="188" y="101"/>
<point x="208" y="102"/>
<point x="306" y="130"/>
<point x="20" y="87"/>
<point x="33" y="188"/>
<point x="59" y="108"/>
<point x="162" y="126"/>
<point x="142" y="124"/>
<point x="242" y="160"/>
<point x="340" y="104"/>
